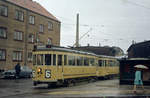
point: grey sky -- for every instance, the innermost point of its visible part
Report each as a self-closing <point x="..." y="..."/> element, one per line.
<point x="113" y="22"/>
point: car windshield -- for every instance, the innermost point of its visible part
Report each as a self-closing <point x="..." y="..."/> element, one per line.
<point x="25" y="68"/>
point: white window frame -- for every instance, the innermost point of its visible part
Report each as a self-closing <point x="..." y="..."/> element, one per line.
<point x="49" y="41"/>
<point x="3" y="32"/>
<point x="2" y="54"/>
<point x="19" y="15"/>
<point x="30" y="56"/>
<point x="31" y="38"/>
<point x="50" y="25"/>
<point x="18" y="35"/>
<point x="3" y="10"/>
<point x="41" y="28"/>
<point x="32" y="19"/>
<point x="17" y="55"/>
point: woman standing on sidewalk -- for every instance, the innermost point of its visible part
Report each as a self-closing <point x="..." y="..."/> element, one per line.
<point x="138" y="79"/>
<point x="138" y="76"/>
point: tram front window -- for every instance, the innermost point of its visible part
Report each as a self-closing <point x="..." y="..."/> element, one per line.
<point x="48" y="59"/>
<point x="54" y="59"/>
<point x="34" y="59"/>
<point x="40" y="59"/>
<point x="59" y="60"/>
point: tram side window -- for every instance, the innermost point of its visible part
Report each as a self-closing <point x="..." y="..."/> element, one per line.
<point x="71" y="60"/>
<point x="79" y="61"/>
<point x="65" y="59"/>
<point x="106" y="63"/>
<point x="103" y="63"/>
<point x="86" y="61"/>
<point x="34" y="59"/>
<point x="54" y="59"/>
<point x="59" y="60"/>
<point x="99" y="62"/>
<point x="111" y="63"/>
<point x="92" y="62"/>
<point x="40" y="59"/>
<point x="48" y="59"/>
<point x="116" y="63"/>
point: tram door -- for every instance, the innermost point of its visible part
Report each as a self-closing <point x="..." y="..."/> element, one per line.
<point x="50" y="67"/>
<point x="60" y="66"/>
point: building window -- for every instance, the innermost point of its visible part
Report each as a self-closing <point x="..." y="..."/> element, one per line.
<point x="18" y="35"/>
<point x="3" y="10"/>
<point x="19" y="15"/>
<point x="31" y="19"/>
<point x="30" y="56"/>
<point x="50" y="26"/>
<point x="41" y="28"/>
<point x="31" y="38"/>
<point x="17" y="56"/>
<point x="49" y="41"/>
<point x="2" y="54"/>
<point x="3" y="32"/>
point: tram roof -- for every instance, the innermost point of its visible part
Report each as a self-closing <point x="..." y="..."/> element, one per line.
<point x="62" y="49"/>
<point x="65" y="49"/>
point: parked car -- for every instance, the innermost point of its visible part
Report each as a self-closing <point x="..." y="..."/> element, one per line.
<point x="26" y="72"/>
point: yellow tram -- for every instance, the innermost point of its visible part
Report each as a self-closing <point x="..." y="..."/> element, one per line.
<point x="59" y="65"/>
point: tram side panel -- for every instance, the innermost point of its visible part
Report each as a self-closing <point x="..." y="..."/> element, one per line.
<point x="105" y="68"/>
<point x="79" y="66"/>
<point x="78" y="72"/>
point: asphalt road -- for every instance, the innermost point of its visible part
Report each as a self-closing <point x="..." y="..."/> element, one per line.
<point x="23" y="88"/>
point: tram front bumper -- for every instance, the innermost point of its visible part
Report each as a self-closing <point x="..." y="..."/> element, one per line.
<point x="43" y="82"/>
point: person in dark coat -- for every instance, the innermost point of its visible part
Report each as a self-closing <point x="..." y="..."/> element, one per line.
<point x="17" y="69"/>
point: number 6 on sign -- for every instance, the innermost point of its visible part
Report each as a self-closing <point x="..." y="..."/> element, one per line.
<point x="47" y="73"/>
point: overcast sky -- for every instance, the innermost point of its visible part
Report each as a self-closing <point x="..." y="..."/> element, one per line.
<point x="111" y="22"/>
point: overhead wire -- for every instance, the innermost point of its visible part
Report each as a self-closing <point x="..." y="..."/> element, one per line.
<point x="87" y="25"/>
<point x="136" y="4"/>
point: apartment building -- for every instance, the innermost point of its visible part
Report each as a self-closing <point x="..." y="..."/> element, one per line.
<point x="24" y="23"/>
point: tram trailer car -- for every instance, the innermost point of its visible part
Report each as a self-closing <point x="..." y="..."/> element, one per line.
<point x="58" y="65"/>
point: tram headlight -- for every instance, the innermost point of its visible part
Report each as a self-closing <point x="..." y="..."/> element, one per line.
<point x="39" y="70"/>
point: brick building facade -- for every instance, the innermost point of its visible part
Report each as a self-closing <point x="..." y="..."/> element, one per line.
<point x="24" y="23"/>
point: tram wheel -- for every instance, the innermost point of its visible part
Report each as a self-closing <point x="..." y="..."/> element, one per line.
<point x="69" y="83"/>
<point x="35" y="83"/>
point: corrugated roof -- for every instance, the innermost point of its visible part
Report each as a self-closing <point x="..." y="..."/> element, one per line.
<point x="33" y="6"/>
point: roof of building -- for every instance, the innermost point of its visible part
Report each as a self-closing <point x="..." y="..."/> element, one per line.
<point x="140" y="44"/>
<point x="33" y="6"/>
<point x="106" y="50"/>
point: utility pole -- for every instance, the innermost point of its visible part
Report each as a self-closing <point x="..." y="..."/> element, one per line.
<point x="77" y="31"/>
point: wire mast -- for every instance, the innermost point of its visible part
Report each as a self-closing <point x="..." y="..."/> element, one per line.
<point x="77" y="31"/>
